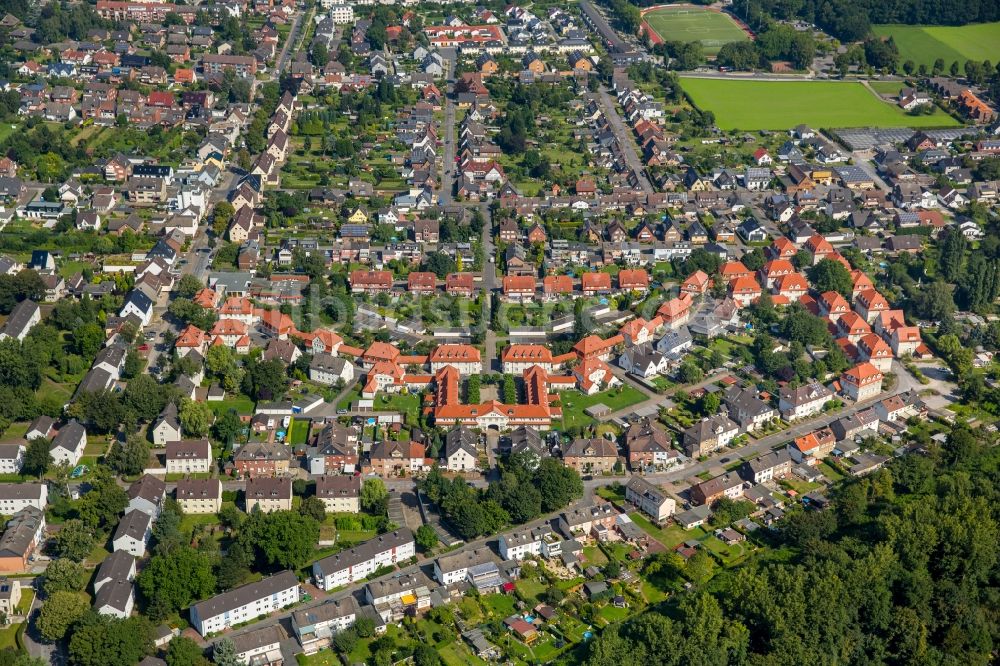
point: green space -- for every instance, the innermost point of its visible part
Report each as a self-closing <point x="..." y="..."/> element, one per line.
<point x="888" y="88"/>
<point x="241" y="403"/>
<point x="8" y="636"/>
<point x="923" y="44"/>
<point x="671" y="536"/>
<point x="687" y="23"/>
<point x="780" y="105"/>
<point x="574" y="402"/>
<point x="530" y="588"/>
<point x="298" y="432"/>
<point x="6" y="129"/>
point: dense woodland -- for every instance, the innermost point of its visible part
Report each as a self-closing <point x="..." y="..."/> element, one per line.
<point x="901" y="569"/>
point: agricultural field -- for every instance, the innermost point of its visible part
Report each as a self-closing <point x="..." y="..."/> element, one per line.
<point x="688" y="23"/>
<point x="780" y="105"/>
<point x="923" y="44"/>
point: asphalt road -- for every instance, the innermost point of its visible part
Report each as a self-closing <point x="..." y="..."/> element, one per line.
<point x="624" y="136"/>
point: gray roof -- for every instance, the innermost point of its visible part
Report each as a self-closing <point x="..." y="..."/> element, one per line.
<point x="391" y="586"/>
<point x="464" y="559"/>
<point x="148" y="488"/>
<point x="19" y="318"/>
<point x="331" y="610"/>
<point x="461" y="438"/>
<point x="259" y="638"/>
<point x="115" y="594"/>
<point x="644" y="487"/>
<point x="364" y="551"/>
<point x="115" y="567"/>
<point x="20" y="532"/>
<point x="768" y="460"/>
<point x="20" y="491"/>
<point x="243" y="595"/>
<point x="133" y="525"/>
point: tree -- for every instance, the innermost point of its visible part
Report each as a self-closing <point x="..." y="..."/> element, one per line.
<point x="221" y="217"/>
<point x="60" y="611"/>
<point x="189" y="285"/>
<point x="103" y="506"/>
<point x="101" y="410"/>
<point x="738" y="55"/>
<point x="314" y="508"/>
<point x="183" y="651"/>
<point x="426" y="537"/>
<point x="830" y="275"/>
<point x="145" y="397"/>
<point x="373" y="494"/>
<point x="689" y="373"/>
<point x="700" y="567"/>
<point x="283" y="539"/>
<point x="100" y="640"/>
<point x="557" y="483"/>
<point x="64" y="575"/>
<point x="195" y="417"/>
<point x="952" y="254"/>
<point x="174" y="580"/>
<point x="74" y="541"/>
<point x="227" y="427"/>
<point x="224" y="654"/>
<point x="439" y="263"/>
<point x="426" y="655"/>
<point x="344" y="641"/>
<point x="129" y="457"/>
<point x="364" y="627"/>
<point x="133" y="365"/>
<point x="37" y="457"/>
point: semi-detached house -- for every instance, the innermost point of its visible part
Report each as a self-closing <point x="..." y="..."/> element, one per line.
<point x="350" y="566"/>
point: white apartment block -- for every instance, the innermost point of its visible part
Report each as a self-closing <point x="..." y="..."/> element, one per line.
<point x="340" y="14"/>
<point x="17" y="496"/>
<point x="523" y="543"/>
<point x="245" y="603"/>
<point x="350" y="566"/>
<point x="11" y="458"/>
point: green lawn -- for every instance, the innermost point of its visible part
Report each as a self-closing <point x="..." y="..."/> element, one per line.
<point x="688" y="24"/>
<point x="457" y="654"/>
<point x="573" y="403"/>
<point x="595" y="556"/>
<point x="7" y="635"/>
<point x="613" y="613"/>
<point x="499" y="605"/>
<point x="780" y="105"/>
<point x="671" y="536"/>
<point x="241" y="403"/>
<point x="923" y="44"/>
<point x="886" y="87"/>
<point x="531" y="588"/>
<point x="6" y="129"/>
<point x="298" y="432"/>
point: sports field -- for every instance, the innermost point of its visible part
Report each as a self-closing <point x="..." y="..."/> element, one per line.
<point x="923" y="44"/>
<point x="688" y="23"/>
<point x="780" y="105"/>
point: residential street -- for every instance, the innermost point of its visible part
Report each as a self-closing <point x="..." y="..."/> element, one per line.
<point x="624" y="136"/>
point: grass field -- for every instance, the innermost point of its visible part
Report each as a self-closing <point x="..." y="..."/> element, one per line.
<point x="780" y="105"/>
<point x="923" y="44"/>
<point x="687" y="23"/>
